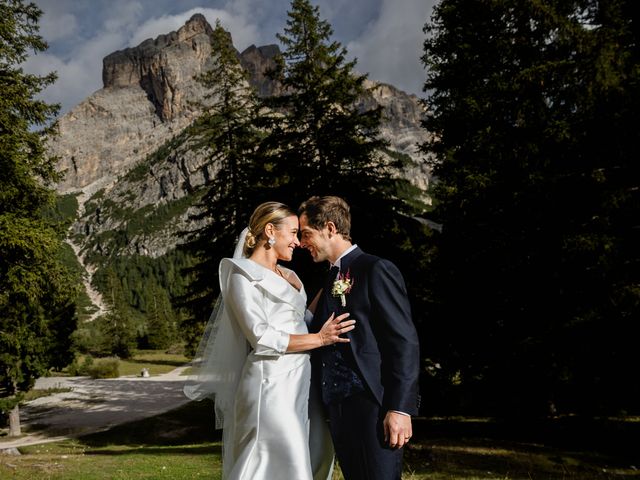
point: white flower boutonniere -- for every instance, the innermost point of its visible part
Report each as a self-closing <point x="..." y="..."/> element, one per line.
<point x="341" y="286"/>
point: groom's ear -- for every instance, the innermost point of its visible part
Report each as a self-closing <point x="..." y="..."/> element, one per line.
<point x="331" y="227"/>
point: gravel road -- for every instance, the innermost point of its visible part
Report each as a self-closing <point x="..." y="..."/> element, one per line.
<point x="95" y="405"/>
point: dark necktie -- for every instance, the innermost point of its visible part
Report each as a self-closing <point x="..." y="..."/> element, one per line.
<point x="333" y="273"/>
<point x="331" y="277"/>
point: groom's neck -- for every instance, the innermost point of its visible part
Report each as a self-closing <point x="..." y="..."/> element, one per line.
<point x="340" y="246"/>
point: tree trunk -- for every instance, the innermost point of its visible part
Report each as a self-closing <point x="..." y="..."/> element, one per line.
<point x="14" y="422"/>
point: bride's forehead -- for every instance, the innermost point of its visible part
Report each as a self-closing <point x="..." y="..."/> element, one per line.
<point x="291" y="222"/>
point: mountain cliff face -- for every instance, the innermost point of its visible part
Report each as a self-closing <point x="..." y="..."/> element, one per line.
<point x="147" y="98"/>
<point x="125" y="148"/>
<point x="163" y="68"/>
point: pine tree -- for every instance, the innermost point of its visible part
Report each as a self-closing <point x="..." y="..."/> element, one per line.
<point x="324" y="139"/>
<point x="116" y="328"/>
<point x="320" y="140"/>
<point x="37" y="313"/>
<point x="161" y="330"/>
<point x="226" y="132"/>
<point x="533" y="110"/>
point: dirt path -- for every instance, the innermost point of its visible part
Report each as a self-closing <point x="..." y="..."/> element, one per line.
<point x="95" y="405"/>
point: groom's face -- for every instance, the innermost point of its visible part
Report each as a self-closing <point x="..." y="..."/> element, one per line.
<point x="315" y="241"/>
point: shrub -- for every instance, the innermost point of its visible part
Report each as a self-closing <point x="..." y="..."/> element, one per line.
<point x="105" y="368"/>
<point x="77" y="369"/>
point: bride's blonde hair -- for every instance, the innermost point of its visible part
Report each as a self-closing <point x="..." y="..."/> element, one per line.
<point x="268" y="212"/>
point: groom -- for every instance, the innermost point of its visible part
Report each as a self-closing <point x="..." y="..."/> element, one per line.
<point x="370" y="385"/>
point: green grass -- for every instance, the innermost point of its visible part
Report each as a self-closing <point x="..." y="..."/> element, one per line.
<point x="157" y="362"/>
<point x="78" y="461"/>
<point x="182" y="444"/>
<point x="38" y="393"/>
<point x="569" y="448"/>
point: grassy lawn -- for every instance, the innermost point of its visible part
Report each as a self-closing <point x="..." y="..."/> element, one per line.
<point x="75" y="460"/>
<point x="157" y="362"/>
<point x="38" y="393"/>
<point x="182" y="444"/>
<point x="566" y="448"/>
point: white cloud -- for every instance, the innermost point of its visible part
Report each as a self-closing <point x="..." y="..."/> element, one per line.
<point x="391" y="47"/>
<point x="79" y="67"/>
<point x="269" y="16"/>
<point x="124" y="16"/>
<point x="72" y="82"/>
<point x="55" y="27"/>
<point x="80" y="75"/>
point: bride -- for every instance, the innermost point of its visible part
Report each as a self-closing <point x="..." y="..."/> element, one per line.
<point x="254" y="358"/>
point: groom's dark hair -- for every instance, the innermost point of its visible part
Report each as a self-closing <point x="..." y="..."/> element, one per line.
<point x="320" y="210"/>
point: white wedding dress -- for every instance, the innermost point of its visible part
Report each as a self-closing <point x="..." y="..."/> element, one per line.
<point x="268" y="424"/>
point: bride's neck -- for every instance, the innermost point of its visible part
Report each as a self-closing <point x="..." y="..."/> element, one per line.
<point x="266" y="258"/>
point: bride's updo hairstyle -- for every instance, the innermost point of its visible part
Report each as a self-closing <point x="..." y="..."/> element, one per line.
<point x="268" y="212"/>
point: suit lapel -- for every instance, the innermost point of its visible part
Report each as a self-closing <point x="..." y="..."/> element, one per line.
<point x="345" y="267"/>
<point x="348" y="259"/>
<point x="328" y="303"/>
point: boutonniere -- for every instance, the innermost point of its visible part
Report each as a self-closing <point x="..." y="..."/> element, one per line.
<point x="341" y="286"/>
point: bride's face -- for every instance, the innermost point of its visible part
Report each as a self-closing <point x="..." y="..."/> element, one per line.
<point x="286" y="236"/>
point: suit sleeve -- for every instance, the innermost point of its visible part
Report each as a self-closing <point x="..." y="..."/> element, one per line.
<point x="396" y="337"/>
<point x="246" y="303"/>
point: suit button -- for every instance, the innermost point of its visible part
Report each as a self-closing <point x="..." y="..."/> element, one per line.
<point x="324" y="383"/>
<point x="335" y="384"/>
<point x="324" y="364"/>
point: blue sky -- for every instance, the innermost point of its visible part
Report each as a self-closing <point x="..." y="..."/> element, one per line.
<point x="384" y="35"/>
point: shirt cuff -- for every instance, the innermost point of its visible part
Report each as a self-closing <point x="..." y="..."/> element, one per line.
<point x="401" y="413"/>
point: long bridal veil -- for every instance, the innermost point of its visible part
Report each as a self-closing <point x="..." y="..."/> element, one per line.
<point x="219" y="358"/>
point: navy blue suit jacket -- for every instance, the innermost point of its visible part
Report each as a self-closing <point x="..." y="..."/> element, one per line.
<point x="385" y="342"/>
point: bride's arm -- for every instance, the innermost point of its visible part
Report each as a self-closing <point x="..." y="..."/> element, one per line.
<point x="314" y="303"/>
<point x="311" y="309"/>
<point x="245" y="301"/>
<point x="328" y="334"/>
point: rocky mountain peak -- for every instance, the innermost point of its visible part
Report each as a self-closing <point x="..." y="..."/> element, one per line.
<point x="147" y="98"/>
<point x="163" y="67"/>
<point x="195" y="25"/>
